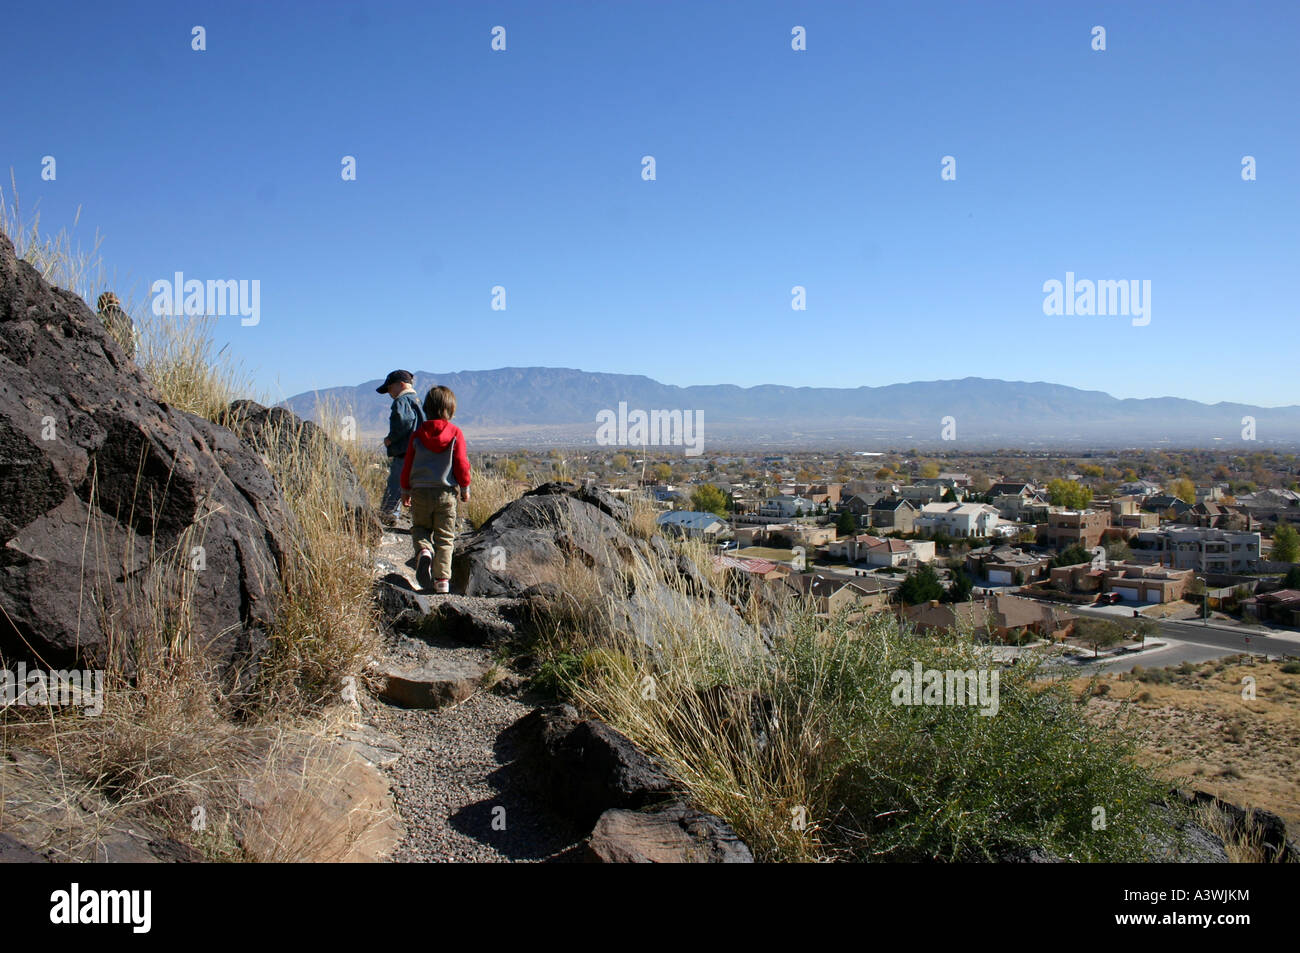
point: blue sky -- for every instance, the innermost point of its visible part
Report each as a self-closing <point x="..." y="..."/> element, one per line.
<point x="775" y="168"/>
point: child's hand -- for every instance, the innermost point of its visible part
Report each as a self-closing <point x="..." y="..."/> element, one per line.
<point x="406" y="499"/>
<point x="464" y="494"/>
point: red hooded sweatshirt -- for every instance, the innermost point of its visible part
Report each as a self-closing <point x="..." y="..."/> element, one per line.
<point x="442" y="453"/>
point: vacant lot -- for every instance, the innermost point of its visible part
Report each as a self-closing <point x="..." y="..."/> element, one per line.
<point x="1196" y="727"/>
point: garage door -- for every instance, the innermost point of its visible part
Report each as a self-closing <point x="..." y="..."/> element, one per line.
<point x="1127" y="592"/>
<point x="1000" y="577"/>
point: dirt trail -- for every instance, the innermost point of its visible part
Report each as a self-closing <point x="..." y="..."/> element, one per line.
<point x="454" y="786"/>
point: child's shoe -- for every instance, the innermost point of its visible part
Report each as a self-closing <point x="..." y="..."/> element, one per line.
<point x="424" y="569"/>
<point x="442" y="585"/>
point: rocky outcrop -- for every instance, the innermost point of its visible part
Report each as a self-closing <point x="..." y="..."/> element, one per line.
<point x="115" y="504"/>
<point x="583" y="767"/>
<point x="290" y="438"/>
<point x="672" y="834"/>
<point x="575" y="548"/>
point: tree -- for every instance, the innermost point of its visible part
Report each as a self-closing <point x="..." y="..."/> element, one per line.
<point x="1072" y="556"/>
<point x="949" y="495"/>
<point x="883" y="473"/>
<point x="709" y="499"/>
<point x="1067" y="493"/>
<point x="920" y="585"/>
<point x="929" y="470"/>
<point x="1286" y="544"/>
<point x="1292" y="578"/>
<point x="620" y="461"/>
<point x="1182" y="488"/>
<point x="846" y="525"/>
<point x="1098" y="633"/>
<point x="663" y="472"/>
<point x="960" y="588"/>
<point x="1145" y="629"/>
<point x="1118" y="551"/>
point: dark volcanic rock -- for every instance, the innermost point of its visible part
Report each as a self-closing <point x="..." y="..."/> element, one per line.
<point x="583" y="767"/>
<point x="109" y="495"/>
<point x="672" y="834"/>
<point x="291" y="437"/>
<point x="477" y="621"/>
<point x="538" y="546"/>
<point x="401" y="608"/>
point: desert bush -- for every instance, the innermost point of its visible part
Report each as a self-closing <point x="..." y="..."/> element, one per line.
<point x="825" y="766"/>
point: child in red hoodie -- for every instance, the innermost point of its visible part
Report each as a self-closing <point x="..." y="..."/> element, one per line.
<point x="436" y="471"/>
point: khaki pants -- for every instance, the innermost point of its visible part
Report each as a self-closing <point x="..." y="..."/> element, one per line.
<point x="433" y="526"/>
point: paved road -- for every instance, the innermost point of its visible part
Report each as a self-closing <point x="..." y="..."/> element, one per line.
<point x="1195" y="642"/>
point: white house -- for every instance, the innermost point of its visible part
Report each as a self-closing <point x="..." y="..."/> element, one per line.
<point x="958" y="519"/>
<point x="785" y="506"/>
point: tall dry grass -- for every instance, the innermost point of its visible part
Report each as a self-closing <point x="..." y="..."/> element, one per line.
<point x="490" y="490"/>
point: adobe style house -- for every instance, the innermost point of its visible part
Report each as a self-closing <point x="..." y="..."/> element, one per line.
<point x="1131" y="581"/>
<point x="898" y="515"/>
<point x="931" y="492"/>
<point x="1066" y="528"/>
<point x="820" y="493"/>
<point x="1190" y="547"/>
<point x="1001" y="618"/>
<point x="1006" y="565"/>
<point x="785" y="535"/>
<point x="1127" y="516"/>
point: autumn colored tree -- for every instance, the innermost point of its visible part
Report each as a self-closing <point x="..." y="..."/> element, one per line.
<point x="709" y="499"/>
<point x="1067" y="493"/>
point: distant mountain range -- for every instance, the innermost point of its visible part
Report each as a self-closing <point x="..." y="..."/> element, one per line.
<point x="535" y="406"/>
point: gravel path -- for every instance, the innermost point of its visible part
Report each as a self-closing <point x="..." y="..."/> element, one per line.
<point x="455" y="787"/>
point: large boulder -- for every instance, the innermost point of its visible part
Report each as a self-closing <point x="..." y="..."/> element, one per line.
<point x="578" y="545"/>
<point x="282" y="432"/>
<point x="582" y="767"/>
<point x="117" y="508"/>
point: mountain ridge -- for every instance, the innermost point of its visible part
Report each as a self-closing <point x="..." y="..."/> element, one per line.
<point x="563" y="403"/>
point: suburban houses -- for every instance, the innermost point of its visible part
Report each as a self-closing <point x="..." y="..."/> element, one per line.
<point x="823" y="530"/>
